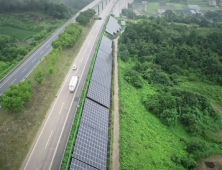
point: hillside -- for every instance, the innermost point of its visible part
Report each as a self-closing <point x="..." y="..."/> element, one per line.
<point x="170" y="94"/>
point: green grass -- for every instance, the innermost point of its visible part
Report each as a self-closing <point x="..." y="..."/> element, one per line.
<point x="20" y="34"/>
<point x="213" y="92"/>
<point x="145" y="143"/>
<point x="177" y="6"/>
<point x="153" y="6"/>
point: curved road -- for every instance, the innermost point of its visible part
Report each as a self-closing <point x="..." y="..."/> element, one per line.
<point x="48" y="148"/>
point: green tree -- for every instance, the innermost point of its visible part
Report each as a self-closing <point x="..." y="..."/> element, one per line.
<point x="39" y="76"/>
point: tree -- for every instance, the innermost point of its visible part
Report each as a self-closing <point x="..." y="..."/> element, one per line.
<point x="39" y="76"/>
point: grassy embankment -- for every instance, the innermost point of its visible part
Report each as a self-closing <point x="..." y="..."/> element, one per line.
<point x="145" y="142"/>
<point x="19" y="129"/>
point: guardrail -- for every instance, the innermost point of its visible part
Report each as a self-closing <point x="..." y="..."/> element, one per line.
<point x="82" y="100"/>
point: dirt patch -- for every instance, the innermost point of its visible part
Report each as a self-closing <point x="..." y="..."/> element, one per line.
<point x="217" y="107"/>
<point x="213" y="162"/>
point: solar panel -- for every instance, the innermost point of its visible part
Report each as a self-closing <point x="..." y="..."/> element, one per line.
<point x="95" y="116"/>
<point x="113" y="26"/>
<point x="91" y="147"/>
<point x="103" y="78"/>
<point x="78" y="165"/>
<point x="106" y="45"/>
<point x="103" y="66"/>
<point x="104" y="56"/>
<point x="99" y="93"/>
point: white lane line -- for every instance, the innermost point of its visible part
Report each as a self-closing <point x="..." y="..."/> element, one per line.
<point x="33" y="60"/>
<point x="73" y="97"/>
<point x="41" y="52"/>
<point x="13" y="81"/>
<point x="24" y="70"/>
<point x="48" y="139"/>
<point x="61" y="108"/>
<point x="47" y="46"/>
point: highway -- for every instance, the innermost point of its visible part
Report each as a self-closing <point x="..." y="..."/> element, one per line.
<point x="49" y="145"/>
<point x="26" y="68"/>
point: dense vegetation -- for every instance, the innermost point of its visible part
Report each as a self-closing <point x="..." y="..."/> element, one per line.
<point x="85" y="17"/>
<point x="15" y="97"/>
<point x="158" y="56"/>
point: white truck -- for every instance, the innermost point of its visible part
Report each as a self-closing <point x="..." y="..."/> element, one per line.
<point x="73" y="83"/>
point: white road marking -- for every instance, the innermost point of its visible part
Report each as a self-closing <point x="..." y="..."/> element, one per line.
<point x="48" y="139"/>
<point x="13" y="81"/>
<point x="47" y="46"/>
<point x="41" y="52"/>
<point x="33" y="60"/>
<point x="61" y="108"/>
<point x="72" y="99"/>
<point x="24" y="70"/>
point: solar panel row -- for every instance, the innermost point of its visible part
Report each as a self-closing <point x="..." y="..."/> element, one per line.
<point x="90" y="152"/>
<point x="113" y="26"/>
<point x="100" y="85"/>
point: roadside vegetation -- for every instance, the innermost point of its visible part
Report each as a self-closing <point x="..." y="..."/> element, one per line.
<point x="24" y="25"/>
<point x="85" y="17"/>
<point x="170" y="92"/>
<point x="18" y="128"/>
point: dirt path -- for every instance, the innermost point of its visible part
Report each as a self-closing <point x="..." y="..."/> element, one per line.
<point x="115" y="153"/>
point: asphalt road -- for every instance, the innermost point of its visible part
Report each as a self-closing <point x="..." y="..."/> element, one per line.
<point x="48" y="148"/>
<point x="26" y="68"/>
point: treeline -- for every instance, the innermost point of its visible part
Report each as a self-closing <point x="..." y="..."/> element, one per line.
<point x="176" y="49"/>
<point x="59" y="11"/>
<point x="163" y="53"/>
<point x="16" y="97"/>
<point x="84" y="17"/>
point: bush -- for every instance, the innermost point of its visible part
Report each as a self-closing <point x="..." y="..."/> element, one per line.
<point x="84" y="17"/>
<point x="133" y="78"/>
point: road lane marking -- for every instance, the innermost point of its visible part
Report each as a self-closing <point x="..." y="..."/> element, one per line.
<point x="56" y="33"/>
<point x="47" y="46"/>
<point x="49" y="117"/>
<point x="33" y="60"/>
<point x="48" y="139"/>
<point x="24" y="70"/>
<point x="73" y="97"/>
<point x="41" y="52"/>
<point x="61" y="108"/>
<point x="13" y="81"/>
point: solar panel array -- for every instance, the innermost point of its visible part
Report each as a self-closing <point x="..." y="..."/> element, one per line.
<point x="95" y="116"/>
<point x="90" y="152"/>
<point x="113" y="26"/>
<point x="100" y="86"/>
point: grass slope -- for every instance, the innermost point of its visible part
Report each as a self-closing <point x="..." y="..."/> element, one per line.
<point x="145" y="143"/>
<point x="20" y="34"/>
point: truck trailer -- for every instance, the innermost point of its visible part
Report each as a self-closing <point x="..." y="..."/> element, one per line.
<point x="73" y="83"/>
